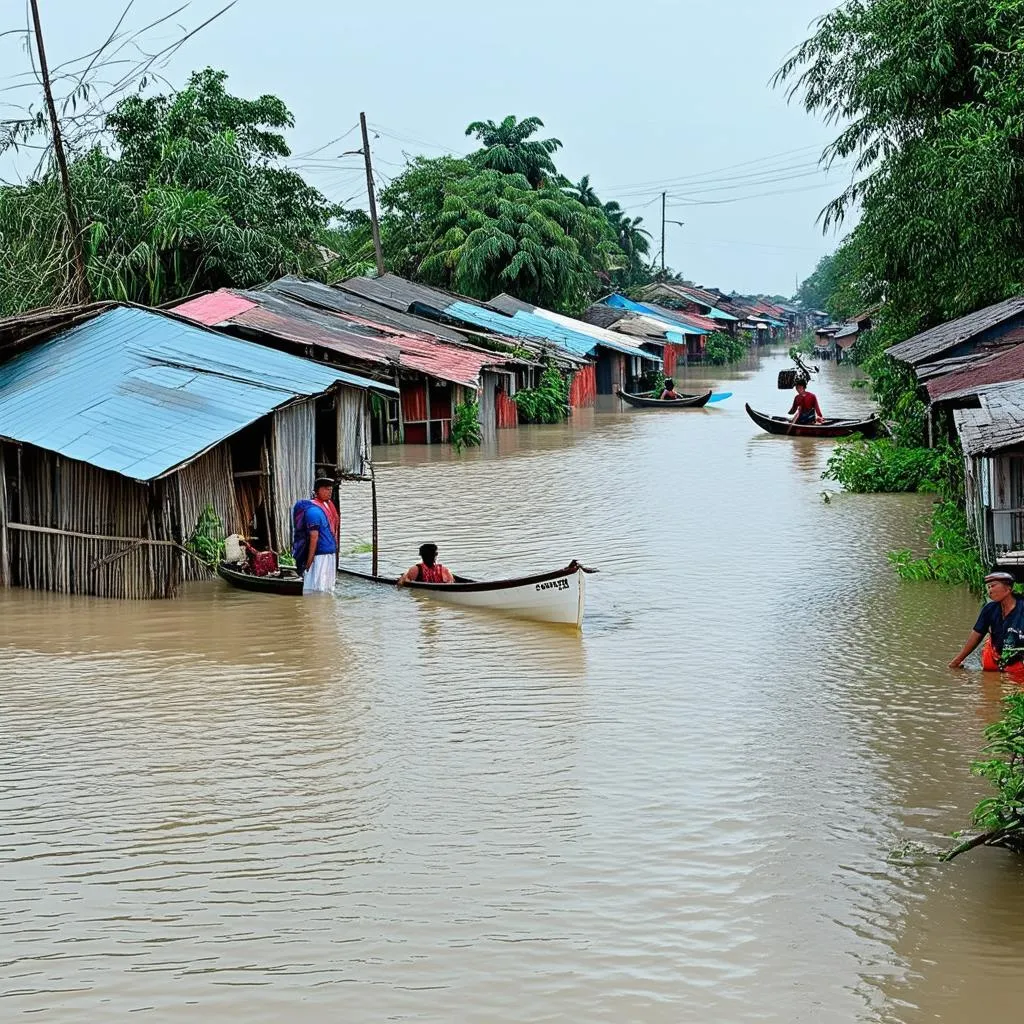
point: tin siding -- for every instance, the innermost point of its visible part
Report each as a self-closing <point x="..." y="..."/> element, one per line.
<point x="583" y="390"/>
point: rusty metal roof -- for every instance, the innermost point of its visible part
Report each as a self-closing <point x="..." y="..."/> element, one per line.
<point x="1001" y="368"/>
<point x="930" y="344"/>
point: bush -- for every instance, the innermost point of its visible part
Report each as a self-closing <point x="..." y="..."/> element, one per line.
<point x="954" y="556"/>
<point x="207" y="540"/>
<point x="465" y="428"/>
<point x="870" y="467"/>
<point x="1001" y="816"/>
<point x="548" y="402"/>
<point x="724" y="348"/>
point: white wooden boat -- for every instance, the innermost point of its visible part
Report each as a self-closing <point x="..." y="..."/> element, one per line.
<point x="557" y="597"/>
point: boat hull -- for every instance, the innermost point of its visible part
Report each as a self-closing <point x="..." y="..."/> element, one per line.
<point x="782" y="426"/>
<point x="685" y="402"/>
<point x="287" y="585"/>
<point x="556" y="597"/>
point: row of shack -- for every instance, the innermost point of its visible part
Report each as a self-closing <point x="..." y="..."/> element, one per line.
<point x="121" y="426"/>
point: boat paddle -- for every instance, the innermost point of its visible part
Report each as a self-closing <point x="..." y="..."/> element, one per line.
<point x="721" y="396"/>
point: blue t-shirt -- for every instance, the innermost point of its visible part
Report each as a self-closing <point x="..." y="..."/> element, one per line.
<point x="316" y="519"/>
<point x="1005" y="632"/>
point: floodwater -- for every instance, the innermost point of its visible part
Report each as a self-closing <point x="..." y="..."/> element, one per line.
<point x="244" y="808"/>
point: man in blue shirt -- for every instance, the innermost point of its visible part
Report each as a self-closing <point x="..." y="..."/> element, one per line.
<point x="318" y="561"/>
<point x="1003" y="620"/>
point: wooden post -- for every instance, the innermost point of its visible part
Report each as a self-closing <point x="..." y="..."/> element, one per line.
<point x="373" y="505"/>
<point x="662" y="234"/>
<point x="81" y="281"/>
<point x="374" y="226"/>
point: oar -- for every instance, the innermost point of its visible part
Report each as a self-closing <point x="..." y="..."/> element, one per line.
<point x="721" y="396"/>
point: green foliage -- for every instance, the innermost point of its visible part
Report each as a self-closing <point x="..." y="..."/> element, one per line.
<point x="508" y="148"/>
<point x="953" y="557"/>
<point x="189" y="195"/>
<point x="495" y="233"/>
<point x="1001" y="816"/>
<point x="207" y="540"/>
<point x="870" y="467"/>
<point x="465" y="426"/>
<point x="720" y="348"/>
<point x="548" y="402"/>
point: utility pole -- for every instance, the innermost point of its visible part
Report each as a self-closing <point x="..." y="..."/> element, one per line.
<point x="81" y="281"/>
<point x="374" y="226"/>
<point x="662" y="234"/>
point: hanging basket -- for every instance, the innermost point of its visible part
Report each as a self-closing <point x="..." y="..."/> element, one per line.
<point x="787" y="379"/>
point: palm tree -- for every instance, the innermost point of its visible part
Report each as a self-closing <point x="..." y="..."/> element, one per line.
<point x="582" y="191"/>
<point x="633" y="239"/>
<point x="508" y="147"/>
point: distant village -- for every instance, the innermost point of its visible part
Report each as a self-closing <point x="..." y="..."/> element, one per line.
<point x="120" y="425"/>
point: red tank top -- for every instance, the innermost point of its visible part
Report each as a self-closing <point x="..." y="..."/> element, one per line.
<point x="430" y="573"/>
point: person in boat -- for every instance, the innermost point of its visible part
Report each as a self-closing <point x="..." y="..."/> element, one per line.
<point x="315" y="548"/>
<point x="805" y="408"/>
<point x="428" y="569"/>
<point x="670" y="394"/>
<point x="1001" y="626"/>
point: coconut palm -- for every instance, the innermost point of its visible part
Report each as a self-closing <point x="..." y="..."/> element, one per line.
<point x="508" y="148"/>
<point x="582" y="191"/>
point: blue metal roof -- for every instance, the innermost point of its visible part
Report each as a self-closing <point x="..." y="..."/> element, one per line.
<point x="140" y="393"/>
<point x="621" y="302"/>
<point x="529" y="325"/>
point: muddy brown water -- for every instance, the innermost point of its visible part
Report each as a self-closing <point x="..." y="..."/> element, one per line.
<point x="243" y="808"/>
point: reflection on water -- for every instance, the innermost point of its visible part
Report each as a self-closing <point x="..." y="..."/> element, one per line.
<point x="253" y="807"/>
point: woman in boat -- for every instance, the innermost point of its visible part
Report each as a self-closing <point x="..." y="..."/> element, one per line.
<point x="1002" y="619"/>
<point x="428" y="569"/>
<point x="670" y="394"/>
<point x="805" y="408"/>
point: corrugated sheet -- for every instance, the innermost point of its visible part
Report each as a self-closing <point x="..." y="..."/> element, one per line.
<point x="335" y="300"/>
<point x="932" y="343"/>
<point x="999" y="423"/>
<point x="139" y="393"/>
<point x="214" y="308"/>
<point x="669" y="317"/>
<point x="999" y="369"/>
<point x="689" y="294"/>
<point x="401" y="295"/>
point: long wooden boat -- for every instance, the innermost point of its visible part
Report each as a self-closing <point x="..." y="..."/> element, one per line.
<point x="557" y="597"/>
<point x="284" y="582"/>
<point x="647" y="402"/>
<point x="829" y="428"/>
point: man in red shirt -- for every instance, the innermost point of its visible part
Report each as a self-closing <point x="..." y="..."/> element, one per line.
<point x="805" y="408"/>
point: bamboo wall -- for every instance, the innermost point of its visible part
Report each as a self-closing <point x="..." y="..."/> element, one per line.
<point x="293" y="457"/>
<point x="5" y="560"/>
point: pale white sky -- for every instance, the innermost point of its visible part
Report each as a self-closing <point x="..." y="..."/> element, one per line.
<point x="645" y="96"/>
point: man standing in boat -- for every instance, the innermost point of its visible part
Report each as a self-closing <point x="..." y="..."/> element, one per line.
<point x="428" y="569"/>
<point x="317" y="526"/>
<point x="805" y="408"/>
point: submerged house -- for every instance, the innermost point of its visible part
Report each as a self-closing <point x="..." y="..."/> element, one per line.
<point x="119" y="425"/>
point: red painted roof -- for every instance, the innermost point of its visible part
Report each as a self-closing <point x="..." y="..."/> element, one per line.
<point x="1000" y="369"/>
<point x="696" y="320"/>
<point x="214" y="308"/>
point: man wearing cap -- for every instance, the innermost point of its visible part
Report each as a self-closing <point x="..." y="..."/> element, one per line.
<point x="320" y="523"/>
<point x="1003" y="620"/>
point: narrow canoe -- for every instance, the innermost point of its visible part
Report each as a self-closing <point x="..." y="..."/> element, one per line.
<point x="283" y="582"/>
<point x="830" y="428"/>
<point x="683" y="402"/>
<point x="557" y="597"/>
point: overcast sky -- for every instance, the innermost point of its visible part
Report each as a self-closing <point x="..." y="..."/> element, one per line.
<point x="646" y="96"/>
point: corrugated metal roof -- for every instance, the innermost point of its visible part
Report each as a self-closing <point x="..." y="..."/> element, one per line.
<point x="140" y="393"/>
<point x="215" y="308"/>
<point x="335" y="300"/>
<point x="997" y="424"/>
<point x="1001" y="368"/>
<point x="932" y="343"/>
<point x="397" y="293"/>
<point x="690" y="294"/>
<point x="669" y="317"/>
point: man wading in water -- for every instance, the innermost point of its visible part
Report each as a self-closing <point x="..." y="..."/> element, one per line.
<point x="428" y="569"/>
<point x="1003" y="620"/>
